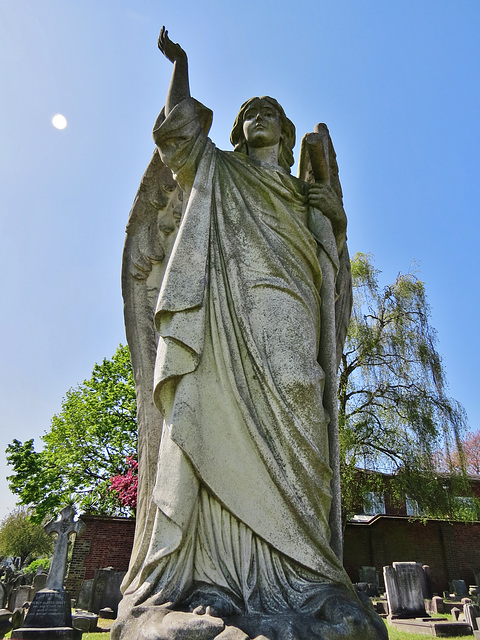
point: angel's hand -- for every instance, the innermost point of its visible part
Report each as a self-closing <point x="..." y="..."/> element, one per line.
<point x="323" y="197"/>
<point x="170" y="49"/>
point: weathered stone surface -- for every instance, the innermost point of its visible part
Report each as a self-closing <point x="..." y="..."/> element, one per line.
<point x="64" y="526"/>
<point x="404" y="590"/>
<point x="49" y="615"/>
<point x="84" y="621"/>
<point x="252" y="312"/>
<point x="180" y="626"/>
<point x="39" y="582"/>
<point x="433" y="627"/>
<point x="5" y="622"/>
<point x="437" y="605"/>
<point x="232" y="633"/>
<point x="460" y="588"/>
<point x="19" y="596"/>
<point x="471" y="612"/>
<point x="50" y="608"/>
<point x="106" y="590"/>
<point x="85" y="595"/>
<point x="55" y="633"/>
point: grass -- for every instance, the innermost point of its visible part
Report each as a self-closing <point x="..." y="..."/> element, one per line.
<point x="393" y="633"/>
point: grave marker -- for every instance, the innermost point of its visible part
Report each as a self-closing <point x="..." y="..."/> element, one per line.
<point x="50" y="612"/>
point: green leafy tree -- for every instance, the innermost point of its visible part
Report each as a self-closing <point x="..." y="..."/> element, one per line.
<point x="87" y="444"/>
<point x="22" y="538"/>
<point x="394" y="413"/>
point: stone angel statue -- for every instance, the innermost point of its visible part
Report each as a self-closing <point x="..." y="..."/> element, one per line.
<point x="237" y="297"/>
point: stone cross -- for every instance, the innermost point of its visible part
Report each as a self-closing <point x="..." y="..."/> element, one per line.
<point x="64" y="526"/>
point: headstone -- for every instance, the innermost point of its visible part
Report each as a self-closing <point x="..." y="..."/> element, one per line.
<point x="39" y="581"/>
<point x="50" y="612"/>
<point x="460" y="588"/>
<point x="428" y="584"/>
<point x="106" y="590"/>
<point x="471" y="612"/>
<point x="456" y="613"/>
<point x="437" y="605"/>
<point x="5" y="621"/>
<point x="84" y="621"/>
<point x="85" y="595"/>
<point x="19" y="596"/>
<point x="369" y="575"/>
<point x="404" y="590"/>
<point x="18" y="616"/>
<point x="3" y="596"/>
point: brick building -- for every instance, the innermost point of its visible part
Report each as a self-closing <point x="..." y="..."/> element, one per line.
<point x="383" y="534"/>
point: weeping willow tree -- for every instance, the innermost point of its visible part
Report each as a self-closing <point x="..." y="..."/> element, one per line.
<point x="394" y="412"/>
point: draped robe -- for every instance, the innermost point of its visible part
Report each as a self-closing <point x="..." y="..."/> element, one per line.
<point x="243" y="481"/>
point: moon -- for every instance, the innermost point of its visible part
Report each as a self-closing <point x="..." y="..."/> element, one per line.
<point x="59" y="121"/>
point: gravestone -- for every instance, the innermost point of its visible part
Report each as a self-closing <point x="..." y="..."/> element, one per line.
<point x="471" y="613"/>
<point x="19" y="596"/>
<point x="455" y="611"/>
<point x="39" y="582"/>
<point x="476" y="574"/>
<point x="404" y="590"/>
<point x="49" y="615"/>
<point x="437" y="605"/>
<point x="106" y="589"/>
<point x="460" y="588"/>
<point x="3" y="596"/>
<point x="369" y="575"/>
<point x="427" y="584"/>
<point x="84" y="598"/>
<point x="84" y="621"/>
<point x="5" y="621"/>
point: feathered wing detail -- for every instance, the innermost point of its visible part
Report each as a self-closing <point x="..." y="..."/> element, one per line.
<point x="318" y="163"/>
<point x="151" y="231"/>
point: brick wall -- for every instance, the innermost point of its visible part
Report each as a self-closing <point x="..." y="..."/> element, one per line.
<point x="106" y="542"/>
<point x="450" y="549"/>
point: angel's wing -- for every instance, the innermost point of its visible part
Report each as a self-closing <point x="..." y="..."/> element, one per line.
<point x="151" y="231"/>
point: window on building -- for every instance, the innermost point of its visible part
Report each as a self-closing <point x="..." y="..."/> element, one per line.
<point x="374" y="503"/>
<point x="412" y="507"/>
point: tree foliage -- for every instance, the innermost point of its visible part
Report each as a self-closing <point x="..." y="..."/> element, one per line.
<point x="88" y="443"/>
<point x="394" y="417"/>
<point x="22" y="538"/>
<point x="126" y="485"/>
<point x="394" y="413"/>
<point x="468" y="458"/>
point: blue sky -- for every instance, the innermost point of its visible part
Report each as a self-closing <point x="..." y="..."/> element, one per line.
<point x="396" y="83"/>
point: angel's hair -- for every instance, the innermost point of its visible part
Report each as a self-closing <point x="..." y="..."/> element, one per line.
<point x="287" y="140"/>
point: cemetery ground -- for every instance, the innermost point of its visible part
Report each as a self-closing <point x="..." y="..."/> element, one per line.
<point x="393" y="634"/>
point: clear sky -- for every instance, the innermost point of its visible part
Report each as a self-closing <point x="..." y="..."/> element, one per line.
<point x="396" y="82"/>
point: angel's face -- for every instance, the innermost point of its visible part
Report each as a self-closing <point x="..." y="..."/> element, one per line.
<point x="262" y="126"/>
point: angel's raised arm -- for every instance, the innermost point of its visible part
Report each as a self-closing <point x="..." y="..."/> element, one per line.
<point x="179" y="85"/>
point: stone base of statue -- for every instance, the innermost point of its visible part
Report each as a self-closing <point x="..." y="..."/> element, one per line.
<point x="335" y="621"/>
<point x="48" y="617"/>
